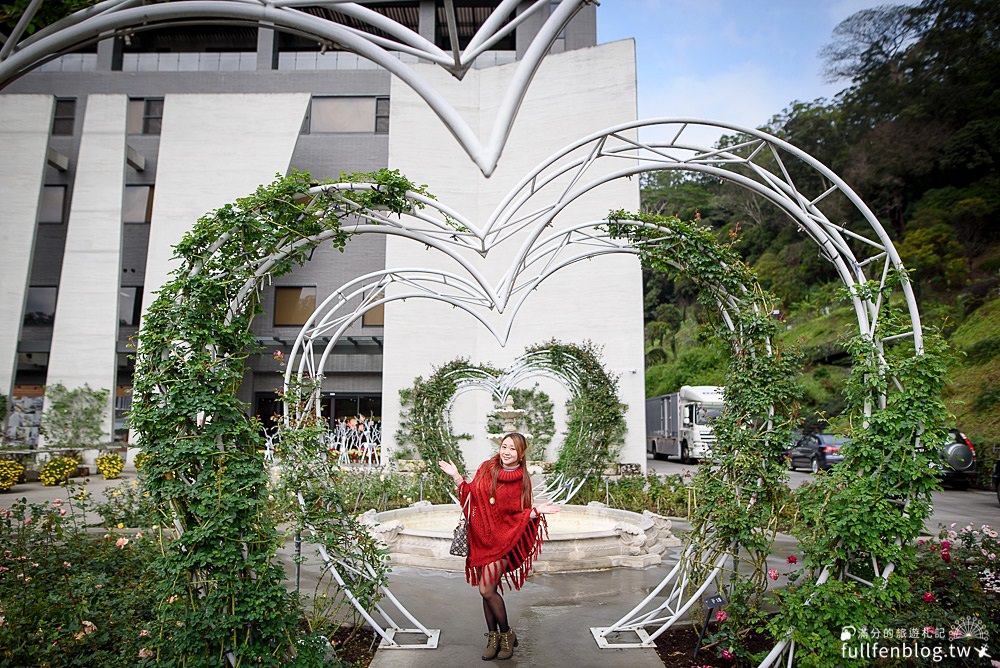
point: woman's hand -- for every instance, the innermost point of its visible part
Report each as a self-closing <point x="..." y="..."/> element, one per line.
<point x="451" y="470"/>
<point x="547" y="508"/>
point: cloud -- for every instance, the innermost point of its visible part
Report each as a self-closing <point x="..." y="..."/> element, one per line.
<point x="746" y="96"/>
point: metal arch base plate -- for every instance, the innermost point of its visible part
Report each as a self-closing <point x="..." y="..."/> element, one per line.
<point x="599" y="633"/>
<point x="389" y="639"/>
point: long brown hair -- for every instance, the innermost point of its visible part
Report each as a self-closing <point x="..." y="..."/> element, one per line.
<point x="521" y="445"/>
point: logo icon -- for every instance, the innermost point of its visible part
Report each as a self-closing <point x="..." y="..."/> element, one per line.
<point x="847" y="632"/>
<point x="969" y="628"/>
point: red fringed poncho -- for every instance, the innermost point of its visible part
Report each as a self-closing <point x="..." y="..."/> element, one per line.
<point x="501" y="529"/>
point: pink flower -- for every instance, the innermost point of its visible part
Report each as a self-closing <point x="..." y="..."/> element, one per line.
<point x="929" y="631"/>
<point x="946" y="555"/>
<point x="62" y="512"/>
<point x="772" y="573"/>
<point x="27" y="520"/>
<point x="929" y="597"/>
<point x="945" y="544"/>
<point x="728" y="655"/>
<point x="57" y="502"/>
<point x="121" y="542"/>
<point x="145" y="654"/>
<point x="172" y="599"/>
<point x="792" y="559"/>
<point x="721" y="616"/>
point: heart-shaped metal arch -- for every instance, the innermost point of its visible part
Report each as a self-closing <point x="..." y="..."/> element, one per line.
<point x="531" y="208"/>
<point x="758" y="163"/>
<point x="121" y="17"/>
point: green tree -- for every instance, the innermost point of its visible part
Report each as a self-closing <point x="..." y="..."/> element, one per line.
<point x="73" y="418"/>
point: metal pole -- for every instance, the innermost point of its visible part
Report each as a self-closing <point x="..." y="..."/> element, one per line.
<point x="298" y="560"/>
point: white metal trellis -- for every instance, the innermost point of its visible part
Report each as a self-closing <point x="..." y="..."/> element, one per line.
<point x="759" y="163"/>
<point x="389" y="49"/>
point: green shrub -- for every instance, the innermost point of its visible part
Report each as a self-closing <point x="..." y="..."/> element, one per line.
<point x="956" y="583"/>
<point x="664" y="496"/>
<point x="10" y="472"/>
<point x="110" y="465"/>
<point x="70" y="598"/>
<point x="983" y="350"/>
<point x="58" y="470"/>
<point x="127" y="505"/>
<point x="141" y="460"/>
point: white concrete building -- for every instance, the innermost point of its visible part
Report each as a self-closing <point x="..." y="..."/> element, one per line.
<point x="112" y="153"/>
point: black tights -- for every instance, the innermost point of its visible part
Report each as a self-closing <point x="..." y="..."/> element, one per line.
<point x="493" y="605"/>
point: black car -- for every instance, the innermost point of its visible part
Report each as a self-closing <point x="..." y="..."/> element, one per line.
<point x="816" y="451"/>
<point x="957" y="461"/>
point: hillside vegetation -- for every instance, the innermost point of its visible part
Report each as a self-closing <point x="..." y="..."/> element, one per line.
<point x="916" y="133"/>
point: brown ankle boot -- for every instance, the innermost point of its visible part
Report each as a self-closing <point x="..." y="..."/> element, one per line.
<point x="492" y="643"/>
<point x="508" y="641"/>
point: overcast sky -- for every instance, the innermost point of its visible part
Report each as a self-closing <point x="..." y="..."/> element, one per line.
<point x="736" y="61"/>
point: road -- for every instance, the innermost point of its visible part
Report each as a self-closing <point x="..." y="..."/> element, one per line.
<point x="961" y="507"/>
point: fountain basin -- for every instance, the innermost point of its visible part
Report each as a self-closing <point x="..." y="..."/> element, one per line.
<point x="581" y="538"/>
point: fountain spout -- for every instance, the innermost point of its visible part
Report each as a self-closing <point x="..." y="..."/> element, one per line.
<point x="509" y="414"/>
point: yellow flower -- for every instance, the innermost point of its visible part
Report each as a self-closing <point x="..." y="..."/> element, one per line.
<point x="121" y="526"/>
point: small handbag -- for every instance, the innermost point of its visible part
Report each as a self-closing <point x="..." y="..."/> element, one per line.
<point x="460" y="541"/>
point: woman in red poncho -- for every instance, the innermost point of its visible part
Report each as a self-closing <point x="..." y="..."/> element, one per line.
<point x="505" y="534"/>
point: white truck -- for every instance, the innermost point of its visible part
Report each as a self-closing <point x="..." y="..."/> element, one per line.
<point x="680" y="424"/>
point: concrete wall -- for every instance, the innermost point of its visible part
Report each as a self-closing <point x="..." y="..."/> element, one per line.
<point x="24" y="134"/>
<point x="213" y="149"/>
<point x="574" y="94"/>
<point x="86" y="322"/>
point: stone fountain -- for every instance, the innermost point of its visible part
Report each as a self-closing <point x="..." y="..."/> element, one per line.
<point x="509" y="414"/>
<point x="581" y="538"/>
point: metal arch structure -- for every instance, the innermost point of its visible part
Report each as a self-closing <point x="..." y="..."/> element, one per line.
<point x="20" y="54"/>
<point x="759" y="163"/>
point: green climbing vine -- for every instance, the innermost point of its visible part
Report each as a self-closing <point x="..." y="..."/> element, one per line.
<point x="221" y="589"/>
<point x="595" y="428"/>
<point x="222" y="592"/>
<point x="872" y="507"/>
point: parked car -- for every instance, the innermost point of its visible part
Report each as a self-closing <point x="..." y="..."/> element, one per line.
<point x="957" y="461"/>
<point x="816" y="451"/>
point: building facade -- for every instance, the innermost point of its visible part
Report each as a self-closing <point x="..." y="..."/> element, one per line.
<point x="114" y="151"/>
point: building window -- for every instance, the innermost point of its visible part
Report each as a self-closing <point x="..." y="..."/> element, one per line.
<point x="293" y="306"/>
<point x="370" y="406"/>
<point x="145" y="116"/>
<point x="123" y="404"/>
<point x="137" y="206"/>
<point x="375" y="316"/>
<point x="65" y="116"/>
<point x="129" y="305"/>
<point x="344" y="114"/>
<point x="381" y="115"/>
<point x="40" y="308"/>
<point x="52" y="208"/>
